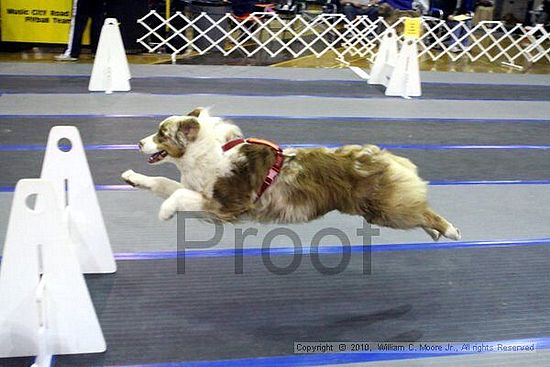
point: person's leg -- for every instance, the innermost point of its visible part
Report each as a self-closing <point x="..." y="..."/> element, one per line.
<point x="372" y="13"/>
<point x="76" y="32"/>
<point x="76" y="29"/>
<point x="452" y="40"/>
<point x="458" y="42"/>
<point x="97" y="13"/>
<point x="466" y="26"/>
<point x="350" y="11"/>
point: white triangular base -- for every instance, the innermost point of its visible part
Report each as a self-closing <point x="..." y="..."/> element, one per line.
<point x="47" y="315"/>
<point x="110" y="72"/>
<point x="360" y="72"/>
<point x="405" y="79"/>
<point x="75" y="191"/>
<point x="385" y="59"/>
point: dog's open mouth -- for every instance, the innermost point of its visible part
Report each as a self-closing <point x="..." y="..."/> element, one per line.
<point x="157" y="157"/>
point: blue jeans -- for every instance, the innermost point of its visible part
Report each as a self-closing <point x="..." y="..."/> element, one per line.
<point x="352" y="11"/>
<point x="458" y="33"/>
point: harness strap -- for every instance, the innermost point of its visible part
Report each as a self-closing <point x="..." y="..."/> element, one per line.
<point x="274" y="170"/>
<point x="232" y="144"/>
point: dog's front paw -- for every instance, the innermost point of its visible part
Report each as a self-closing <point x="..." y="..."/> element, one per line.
<point x="167" y="210"/>
<point x="132" y="178"/>
<point x="127" y="177"/>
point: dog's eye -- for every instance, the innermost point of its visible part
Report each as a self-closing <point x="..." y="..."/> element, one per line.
<point x="161" y="136"/>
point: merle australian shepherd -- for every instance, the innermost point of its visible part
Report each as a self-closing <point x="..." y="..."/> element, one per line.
<point x="227" y="180"/>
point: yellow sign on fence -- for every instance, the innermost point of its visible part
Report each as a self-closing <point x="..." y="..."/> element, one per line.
<point x="413" y="27"/>
<point x="34" y="21"/>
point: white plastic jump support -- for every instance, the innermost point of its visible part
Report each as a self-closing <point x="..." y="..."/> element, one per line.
<point x="360" y="72"/>
<point x="44" y="357"/>
<point x="65" y="165"/>
<point x="110" y="72"/>
<point x="385" y="60"/>
<point x="46" y="308"/>
<point x="405" y="78"/>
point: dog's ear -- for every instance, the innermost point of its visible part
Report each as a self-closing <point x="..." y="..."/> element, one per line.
<point x="196" y="112"/>
<point x="188" y="130"/>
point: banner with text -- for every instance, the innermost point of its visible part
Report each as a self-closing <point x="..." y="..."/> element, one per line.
<point x="37" y="21"/>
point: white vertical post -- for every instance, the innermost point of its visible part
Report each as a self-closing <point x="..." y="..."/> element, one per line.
<point x="385" y="59"/>
<point x="47" y="315"/>
<point x="405" y="78"/>
<point x="44" y="357"/>
<point x="110" y="72"/>
<point x="67" y="168"/>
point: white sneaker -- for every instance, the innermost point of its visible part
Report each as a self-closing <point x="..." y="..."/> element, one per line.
<point x="64" y="57"/>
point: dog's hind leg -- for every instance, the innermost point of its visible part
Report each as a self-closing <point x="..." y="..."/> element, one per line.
<point x="436" y="223"/>
<point x="433" y="224"/>
<point x="434" y="234"/>
<point x="161" y="186"/>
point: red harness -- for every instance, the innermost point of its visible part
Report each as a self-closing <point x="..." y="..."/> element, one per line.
<point x="275" y="168"/>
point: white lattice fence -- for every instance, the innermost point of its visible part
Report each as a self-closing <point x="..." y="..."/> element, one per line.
<point x="297" y="35"/>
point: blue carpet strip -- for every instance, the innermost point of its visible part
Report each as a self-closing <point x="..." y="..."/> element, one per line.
<point x="304" y="360"/>
<point x="335" y="119"/>
<point x="336" y="249"/>
<point x="432" y="183"/>
<point x="92" y="147"/>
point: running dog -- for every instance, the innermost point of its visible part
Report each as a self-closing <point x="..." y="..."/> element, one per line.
<point x="231" y="178"/>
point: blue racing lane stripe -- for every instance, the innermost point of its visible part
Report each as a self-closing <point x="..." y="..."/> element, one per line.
<point x="221" y="78"/>
<point x="434" y="147"/>
<point x="306" y="360"/>
<point x="487" y="182"/>
<point x="281" y="251"/>
<point x="430" y="146"/>
<point x="39" y="147"/>
<point x="432" y="183"/>
<point x="289" y="117"/>
<point x="281" y="79"/>
<point x="332" y="249"/>
<point x="282" y="96"/>
<point x="97" y="187"/>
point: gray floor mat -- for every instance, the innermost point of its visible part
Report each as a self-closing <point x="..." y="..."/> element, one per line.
<point x="128" y="130"/>
<point x="151" y="314"/>
<point x="294" y="106"/>
<point x="107" y="165"/>
<point x="486" y="212"/>
<point x="265" y="87"/>
<point x="222" y="71"/>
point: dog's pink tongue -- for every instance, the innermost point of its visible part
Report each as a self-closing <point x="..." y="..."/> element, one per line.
<point x="157" y="156"/>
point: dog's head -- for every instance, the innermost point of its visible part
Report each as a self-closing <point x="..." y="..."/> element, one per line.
<point x="177" y="133"/>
